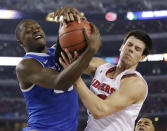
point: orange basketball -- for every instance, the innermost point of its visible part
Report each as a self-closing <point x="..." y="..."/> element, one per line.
<point x="72" y="37"/>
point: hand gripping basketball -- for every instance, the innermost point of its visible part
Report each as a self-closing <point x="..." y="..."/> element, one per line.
<point x="72" y="36"/>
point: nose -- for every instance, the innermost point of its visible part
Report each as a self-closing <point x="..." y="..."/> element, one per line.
<point x="131" y="49"/>
<point x="141" y="124"/>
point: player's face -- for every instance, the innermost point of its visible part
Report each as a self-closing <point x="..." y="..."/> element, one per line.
<point x="144" y="124"/>
<point x="131" y="51"/>
<point x="32" y="36"/>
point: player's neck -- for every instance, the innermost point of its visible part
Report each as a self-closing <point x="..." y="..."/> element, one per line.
<point x="122" y="67"/>
<point x="38" y="51"/>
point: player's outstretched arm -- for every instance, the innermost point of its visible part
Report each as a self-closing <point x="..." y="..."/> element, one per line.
<point x="132" y="91"/>
<point x="74" y="70"/>
<point x="93" y="65"/>
<point x="31" y="71"/>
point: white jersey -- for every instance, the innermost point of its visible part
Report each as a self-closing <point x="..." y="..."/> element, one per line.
<point x="103" y="86"/>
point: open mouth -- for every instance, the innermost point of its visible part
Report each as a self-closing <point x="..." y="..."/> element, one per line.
<point x="37" y="37"/>
<point x="141" y="129"/>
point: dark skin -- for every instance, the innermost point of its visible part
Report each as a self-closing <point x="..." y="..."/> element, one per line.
<point x="32" y="37"/>
<point x="30" y="71"/>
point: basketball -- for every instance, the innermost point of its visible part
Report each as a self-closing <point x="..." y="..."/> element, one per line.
<point x="72" y="36"/>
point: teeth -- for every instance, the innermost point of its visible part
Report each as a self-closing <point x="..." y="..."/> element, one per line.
<point x="37" y="37"/>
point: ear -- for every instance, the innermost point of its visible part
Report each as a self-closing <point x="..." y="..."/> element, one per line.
<point x="20" y="42"/>
<point x="142" y="58"/>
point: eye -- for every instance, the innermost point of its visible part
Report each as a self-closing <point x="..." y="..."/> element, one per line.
<point x="138" y="123"/>
<point x="28" y="30"/>
<point x="146" y="123"/>
<point x="138" y="49"/>
<point x="130" y="44"/>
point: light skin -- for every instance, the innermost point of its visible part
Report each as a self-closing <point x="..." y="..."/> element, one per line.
<point x="29" y="71"/>
<point x="144" y="124"/>
<point x="132" y="89"/>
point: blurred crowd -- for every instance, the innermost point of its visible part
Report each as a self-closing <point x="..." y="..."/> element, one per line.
<point x="13" y="104"/>
<point x="13" y="108"/>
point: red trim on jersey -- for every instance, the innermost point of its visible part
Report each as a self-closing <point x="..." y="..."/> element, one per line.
<point x="111" y="70"/>
<point x="128" y="75"/>
<point x="102" y="96"/>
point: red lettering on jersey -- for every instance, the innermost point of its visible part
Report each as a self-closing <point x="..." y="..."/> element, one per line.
<point x="93" y="81"/>
<point x="96" y="84"/>
<point x="112" y="90"/>
<point x="102" y="96"/>
<point x="103" y="87"/>
<point x="107" y="89"/>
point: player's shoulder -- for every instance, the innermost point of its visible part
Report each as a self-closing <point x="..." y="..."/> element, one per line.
<point x="27" y="64"/>
<point x="106" y="65"/>
<point x="134" y="80"/>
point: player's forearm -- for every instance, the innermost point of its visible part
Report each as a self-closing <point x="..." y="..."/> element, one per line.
<point x="70" y="74"/>
<point x="92" y="102"/>
<point x="93" y="65"/>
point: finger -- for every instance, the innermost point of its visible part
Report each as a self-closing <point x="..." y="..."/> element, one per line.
<point x="55" y="18"/>
<point x="62" y="62"/>
<point x="76" y="55"/>
<point x="78" y="18"/>
<point x="64" y="58"/>
<point x="60" y="14"/>
<point x="61" y="19"/>
<point x="69" y="55"/>
<point x="75" y="11"/>
<point x="67" y="17"/>
<point x="94" y="29"/>
<point x="68" y="10"/>
<point x="86" y="33"/>
<point x="71" y="16"/>
<point x="84" y="18"/>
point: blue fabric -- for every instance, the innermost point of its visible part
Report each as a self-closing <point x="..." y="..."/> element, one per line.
<point x="48" y="110"/>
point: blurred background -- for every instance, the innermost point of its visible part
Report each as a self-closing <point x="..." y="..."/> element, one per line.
<point x="114" y="18"/>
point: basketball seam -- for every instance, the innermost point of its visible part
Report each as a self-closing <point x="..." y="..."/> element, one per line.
<point x="71" y="31"/>
<point x="74" y="44"/>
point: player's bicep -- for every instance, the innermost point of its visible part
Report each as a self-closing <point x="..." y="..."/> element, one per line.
<point x="27" y="68"/>
<point x="31" y="71"/>
<point x="130" y="92"/>
<point x="94" y="63"/>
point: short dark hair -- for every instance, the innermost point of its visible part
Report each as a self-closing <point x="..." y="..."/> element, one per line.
<point x="18" y="29"/>
<point x="143" y="36"/>
<point x="152" y="120"/>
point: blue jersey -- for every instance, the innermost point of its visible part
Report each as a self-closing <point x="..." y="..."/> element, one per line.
<point x="49" y="109"/>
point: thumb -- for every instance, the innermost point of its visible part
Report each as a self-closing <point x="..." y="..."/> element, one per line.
<point x="93" y="28"/>
<point x="85" y="31"/>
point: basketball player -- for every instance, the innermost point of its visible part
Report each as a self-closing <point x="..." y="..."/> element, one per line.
<point x="116" y="93"/>
<point x="52" y="102"/>
<point x="144" y="124"/>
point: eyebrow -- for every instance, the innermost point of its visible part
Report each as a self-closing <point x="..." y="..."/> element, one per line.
<point x="138" y="47"/>
<point x="147" y="122"/>
<point x="135" y="45"/>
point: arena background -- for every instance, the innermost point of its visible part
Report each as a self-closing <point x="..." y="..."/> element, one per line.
<point x="113" y="20"/>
